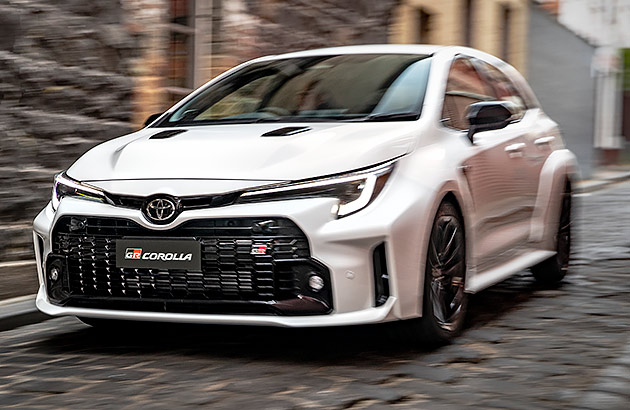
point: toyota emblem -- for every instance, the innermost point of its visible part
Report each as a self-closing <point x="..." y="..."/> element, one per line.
<point x="160" y="210"/>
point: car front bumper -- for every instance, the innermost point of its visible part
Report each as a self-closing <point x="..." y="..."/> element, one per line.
<point x="365" y="316"/>
<point x="344" y="246"/>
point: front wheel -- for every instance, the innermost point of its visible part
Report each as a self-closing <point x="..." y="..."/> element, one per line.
<point x="444" y="299"/>
<point x="555" y="268"/>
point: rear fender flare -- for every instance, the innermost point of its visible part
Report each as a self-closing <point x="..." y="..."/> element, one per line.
<point x="559" y="166"/>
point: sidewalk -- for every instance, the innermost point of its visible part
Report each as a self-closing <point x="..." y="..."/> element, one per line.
<point x="603" y="177"/>
<point x="20" y="309"/>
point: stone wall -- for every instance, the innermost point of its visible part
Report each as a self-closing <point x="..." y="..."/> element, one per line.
<point x="74" y="73"/>
<point x="247" y="29"/>
<point x="68" y="70"/>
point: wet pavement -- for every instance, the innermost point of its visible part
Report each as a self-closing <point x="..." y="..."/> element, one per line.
<point x="525" y="347"/>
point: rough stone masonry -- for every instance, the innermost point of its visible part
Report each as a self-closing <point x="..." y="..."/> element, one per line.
<point x="66" y="84"/>
<point x="74" y="73"/>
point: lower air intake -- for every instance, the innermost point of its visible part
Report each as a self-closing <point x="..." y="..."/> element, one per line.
<point x="233" y="278"/>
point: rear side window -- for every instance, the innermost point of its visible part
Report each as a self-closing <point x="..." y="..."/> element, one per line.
<point x="464" y="86"/>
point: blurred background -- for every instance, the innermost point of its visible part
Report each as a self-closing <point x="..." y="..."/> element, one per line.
<point x="74" y="73"/>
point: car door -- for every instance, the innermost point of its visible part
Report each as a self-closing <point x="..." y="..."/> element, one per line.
<point x="536" y="132"/>
<point x="494" y="169"/>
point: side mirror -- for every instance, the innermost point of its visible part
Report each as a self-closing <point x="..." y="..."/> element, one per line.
<point x="488" y="115"/>
<point x="152" y="118"/>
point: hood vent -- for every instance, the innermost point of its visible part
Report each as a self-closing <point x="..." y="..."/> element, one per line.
<point x="165" y="134"/>
<point x="286" y="131"/>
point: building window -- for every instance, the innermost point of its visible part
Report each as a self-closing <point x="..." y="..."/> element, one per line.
<point x="506" y="16"/>
<point x="180" y="49"/>
<point x="424" y="27"/>
<point x="467" y="18"/>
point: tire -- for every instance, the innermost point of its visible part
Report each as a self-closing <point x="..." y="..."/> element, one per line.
<point x="554" y="269"/>
<point x="444" y="300"/>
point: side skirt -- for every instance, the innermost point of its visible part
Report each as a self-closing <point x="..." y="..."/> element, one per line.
<point x="482" y="280"/>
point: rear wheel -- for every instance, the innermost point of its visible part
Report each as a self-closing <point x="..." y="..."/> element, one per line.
<point x="555" y="268"/>
<point x="444" y="299"/>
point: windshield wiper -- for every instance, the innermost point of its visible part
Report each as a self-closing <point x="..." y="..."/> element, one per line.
<point x="269" y="119"/>
<point x="396" y="116"/>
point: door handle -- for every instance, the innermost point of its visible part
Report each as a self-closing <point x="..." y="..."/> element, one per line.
<point x="515" y="150"/>
<point x="515" y="147"/>
<point x="544" y="140"/>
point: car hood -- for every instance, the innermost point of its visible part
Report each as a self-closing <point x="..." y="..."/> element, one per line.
<point x="240" y="152"/>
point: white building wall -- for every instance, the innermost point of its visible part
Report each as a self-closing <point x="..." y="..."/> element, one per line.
<point x="604" y="23"/>
<point x="601" y="22"/>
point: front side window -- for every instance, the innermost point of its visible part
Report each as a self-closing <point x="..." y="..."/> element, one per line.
<point x="504" y="89"/>
<point x="319" y="88"/>
<point x="464" y="86"/>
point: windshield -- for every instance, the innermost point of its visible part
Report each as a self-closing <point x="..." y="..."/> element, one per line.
<point x="362" y="87"/>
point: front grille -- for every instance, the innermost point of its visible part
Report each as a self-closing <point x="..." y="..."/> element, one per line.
<point x="229" y="272"/>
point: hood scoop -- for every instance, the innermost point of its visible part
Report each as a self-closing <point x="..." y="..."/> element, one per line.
<point x="286" y="131"/>
<point x="165" y="134"/>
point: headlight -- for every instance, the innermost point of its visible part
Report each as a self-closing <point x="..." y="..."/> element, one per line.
<point x="354" y="191"/>
<point x="65" y="186"/>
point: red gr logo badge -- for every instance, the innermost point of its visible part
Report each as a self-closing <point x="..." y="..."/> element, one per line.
<point x="258" y="249"/>
<point x="133" y="253"/>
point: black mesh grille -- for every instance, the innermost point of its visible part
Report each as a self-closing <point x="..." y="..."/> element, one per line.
<point x="229" y="271"/>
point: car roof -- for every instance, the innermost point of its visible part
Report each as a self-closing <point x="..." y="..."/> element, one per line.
<point x="421" y="49"/>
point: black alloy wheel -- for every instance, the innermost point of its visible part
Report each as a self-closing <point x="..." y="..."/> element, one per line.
<point x="444" y="301"/>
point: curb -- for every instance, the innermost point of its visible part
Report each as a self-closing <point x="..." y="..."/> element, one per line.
<point x="588" y="186"/>
<point x="18" y="312"/>
<point x="21" y="311"/>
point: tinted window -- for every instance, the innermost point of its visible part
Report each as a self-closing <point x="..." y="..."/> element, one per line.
<point x="464" y="86"/>
<point x="504" y="89"/>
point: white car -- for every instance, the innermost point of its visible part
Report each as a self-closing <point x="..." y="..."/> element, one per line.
<point x="328" y="187"/>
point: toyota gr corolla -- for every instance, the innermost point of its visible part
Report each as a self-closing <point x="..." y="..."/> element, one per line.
<point x="330" y="187"/>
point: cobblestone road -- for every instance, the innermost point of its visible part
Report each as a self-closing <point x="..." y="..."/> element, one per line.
<point x="524" y="347"/>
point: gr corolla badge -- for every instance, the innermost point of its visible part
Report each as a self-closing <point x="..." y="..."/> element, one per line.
<point x="328" y="187"/>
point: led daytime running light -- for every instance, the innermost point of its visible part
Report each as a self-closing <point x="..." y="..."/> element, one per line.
<point x="366" y="184"/>
<point x="65" y="186"/>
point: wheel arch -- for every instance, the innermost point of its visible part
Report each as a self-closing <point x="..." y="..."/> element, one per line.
<point x="448" y="192"/>
<point x="451" y="197"/>
<point x="560" y="168"/>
